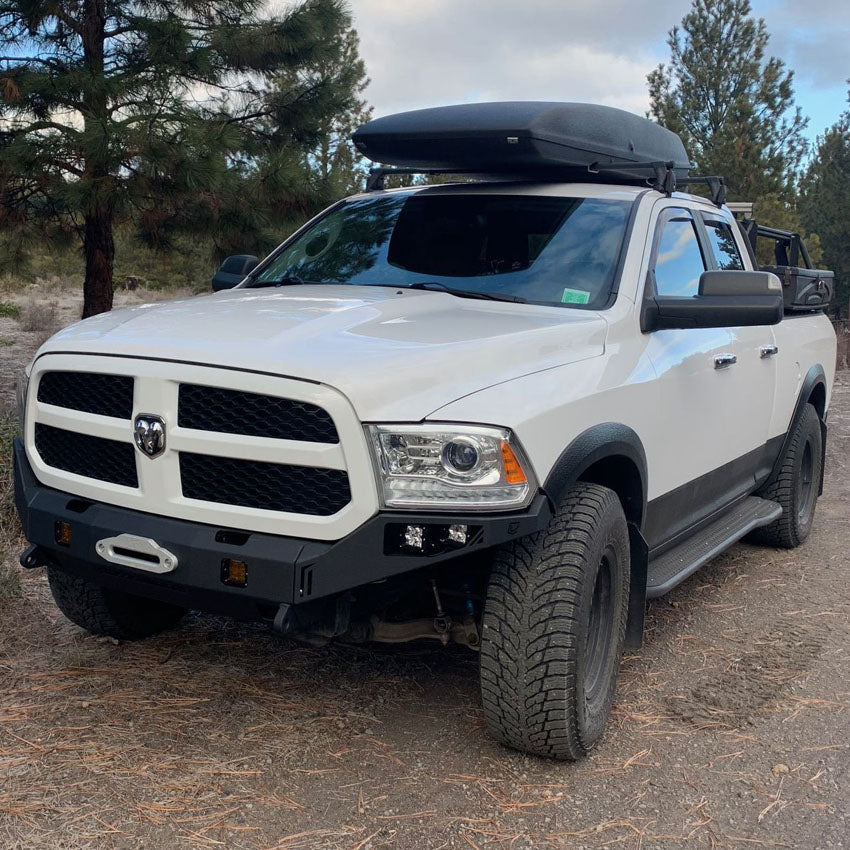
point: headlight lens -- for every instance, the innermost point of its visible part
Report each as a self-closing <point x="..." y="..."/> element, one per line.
<point x="451" y="466"/>
<point x="21" y="399"/>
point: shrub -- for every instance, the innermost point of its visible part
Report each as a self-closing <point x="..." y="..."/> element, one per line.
<point x="8" y="310"/>
<point x="40" y="317"/>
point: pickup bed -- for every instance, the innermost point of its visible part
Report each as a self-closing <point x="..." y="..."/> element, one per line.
<point x="502" y="414"/>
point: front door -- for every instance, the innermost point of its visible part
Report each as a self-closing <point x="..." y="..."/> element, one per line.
<point x="714" y="391"/>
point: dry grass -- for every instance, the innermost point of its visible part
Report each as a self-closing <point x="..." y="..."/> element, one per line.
<point x="10" y="531"/>
<point x="40" y="316"/>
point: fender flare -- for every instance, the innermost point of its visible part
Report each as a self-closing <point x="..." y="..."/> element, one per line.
<point x="814" y="377"/>
<point x="610" y="439"/>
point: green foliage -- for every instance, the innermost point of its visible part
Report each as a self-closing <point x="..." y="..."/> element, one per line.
<point x="825" y="203"/>
<point x="9" y="310"/>
<point x="732" y="106"/>
<point x="167" y="115"/>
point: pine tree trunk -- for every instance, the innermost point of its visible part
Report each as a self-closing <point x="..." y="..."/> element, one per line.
<point x="98" y="244"/>
<point x="99" y="251"/>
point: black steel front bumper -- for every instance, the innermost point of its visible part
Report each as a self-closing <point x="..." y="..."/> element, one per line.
<point x="281" y="570"/>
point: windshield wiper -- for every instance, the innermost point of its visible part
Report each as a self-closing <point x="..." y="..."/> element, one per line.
<point x="436" y="286"/>
<point x="289" y="280"/>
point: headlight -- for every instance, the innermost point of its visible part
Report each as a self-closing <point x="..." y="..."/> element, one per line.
<point x="451" y="466"/>
<point x="21" y="399"/>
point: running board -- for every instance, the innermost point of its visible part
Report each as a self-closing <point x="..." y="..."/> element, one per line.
<point x="674" y="566"/>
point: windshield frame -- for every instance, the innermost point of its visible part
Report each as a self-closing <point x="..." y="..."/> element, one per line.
<point x="619" y="265"/>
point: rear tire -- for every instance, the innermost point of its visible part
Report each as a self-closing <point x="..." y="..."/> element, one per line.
<point x="553" y="628"/>
<point x="796" y="486"/>
<point x="103" y="611"/>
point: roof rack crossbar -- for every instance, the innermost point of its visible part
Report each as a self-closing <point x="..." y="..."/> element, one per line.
<point x="377" y="179"/>
<point x="665" y="179"/>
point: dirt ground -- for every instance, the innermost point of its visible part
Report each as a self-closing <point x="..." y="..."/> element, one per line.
<point x="731" y="727"/>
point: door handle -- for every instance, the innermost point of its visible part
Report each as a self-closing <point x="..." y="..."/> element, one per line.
<point x="724" y="361"/>
<point x="768" y="350"/>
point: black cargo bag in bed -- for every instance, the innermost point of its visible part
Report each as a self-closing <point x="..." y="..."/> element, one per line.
<point x="803" y="288"/>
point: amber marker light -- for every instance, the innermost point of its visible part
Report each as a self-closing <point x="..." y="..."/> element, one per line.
<point x="513" y="471"/>
<point x="234" y="573"/>
<point x="62" y="532"/>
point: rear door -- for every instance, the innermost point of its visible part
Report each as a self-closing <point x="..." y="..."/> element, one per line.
<point x="714" y="388"/>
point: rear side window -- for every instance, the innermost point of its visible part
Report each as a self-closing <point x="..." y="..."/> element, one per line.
<point x="678" y="258"/>
<point x="723" y="244"/>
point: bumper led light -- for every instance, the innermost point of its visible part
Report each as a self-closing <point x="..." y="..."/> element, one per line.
<point x="458" y="534"/>
<point x="414" y="536"/>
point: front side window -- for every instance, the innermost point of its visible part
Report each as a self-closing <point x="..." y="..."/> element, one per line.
<point x="550" y="250"/>
<point x="723" y="244"/>
<point x="678" y="259"/>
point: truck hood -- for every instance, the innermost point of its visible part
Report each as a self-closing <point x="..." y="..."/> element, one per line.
<point x="396" y="354"/>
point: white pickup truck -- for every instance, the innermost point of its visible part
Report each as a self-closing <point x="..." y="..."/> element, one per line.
<point x="502" y="413"/>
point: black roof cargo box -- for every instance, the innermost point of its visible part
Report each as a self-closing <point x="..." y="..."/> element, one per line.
<point x="521" y="138"/>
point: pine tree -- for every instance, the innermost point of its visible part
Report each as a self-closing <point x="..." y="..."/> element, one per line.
<point x="825" y="202"/>
<point x="330" y="152"/>
<point x="300" y="157"/>
<point x="733" y="107"/>
<point x="112" y="109"/>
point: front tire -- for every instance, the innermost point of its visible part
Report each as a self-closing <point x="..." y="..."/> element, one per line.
<point x="553" y="628"/>
<point x="103" y="611"/>
<point x="796" y="486"/>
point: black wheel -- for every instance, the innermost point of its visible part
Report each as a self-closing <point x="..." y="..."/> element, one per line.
<point x="796" y="486"/>
<point x="103" y="611"/>
<point x="553" y="628"/>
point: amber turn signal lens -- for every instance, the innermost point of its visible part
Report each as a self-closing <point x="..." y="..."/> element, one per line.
<point x="62" y="533"/>
<point x="513" y="471"/>
<point x="234" y="573"/>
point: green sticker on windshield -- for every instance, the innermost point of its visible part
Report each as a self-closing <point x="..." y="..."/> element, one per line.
<point x="575" y="296"/>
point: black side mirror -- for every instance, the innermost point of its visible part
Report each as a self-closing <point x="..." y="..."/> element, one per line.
<point x="727" y="299"/>
<point x="233" y="270"/>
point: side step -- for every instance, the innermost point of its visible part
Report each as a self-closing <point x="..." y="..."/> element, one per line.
<point x="674" y="566"/>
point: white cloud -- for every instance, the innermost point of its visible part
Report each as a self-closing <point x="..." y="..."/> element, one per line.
<point x="431" y="52"/>
<point x="437" y="51"/>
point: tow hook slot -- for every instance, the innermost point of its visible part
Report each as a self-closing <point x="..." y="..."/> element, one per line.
<point x="140" y="553"/>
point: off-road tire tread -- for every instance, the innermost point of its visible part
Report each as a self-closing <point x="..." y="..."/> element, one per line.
<point x="530" y="629"/>
<point x="110" y="613"/>
<point x="784" y="532"/>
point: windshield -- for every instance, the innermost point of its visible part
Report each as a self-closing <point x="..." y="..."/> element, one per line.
<point x="550" y="250"/>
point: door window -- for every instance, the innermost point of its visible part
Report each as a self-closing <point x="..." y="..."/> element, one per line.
<point x="678" y="257"/>
<point x="723" y="244"/>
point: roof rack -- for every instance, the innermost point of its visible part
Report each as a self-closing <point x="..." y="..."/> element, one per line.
<point x="665" y="179"/>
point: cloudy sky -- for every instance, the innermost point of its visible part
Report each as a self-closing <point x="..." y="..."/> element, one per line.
<point x="430" y="52"/>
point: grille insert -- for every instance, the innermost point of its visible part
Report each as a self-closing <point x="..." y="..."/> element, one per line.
<point x="90" y="392"/>
<point x="82" y="454"/>
<point x="253" y="415"/>
<point x="267" y="486"/>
